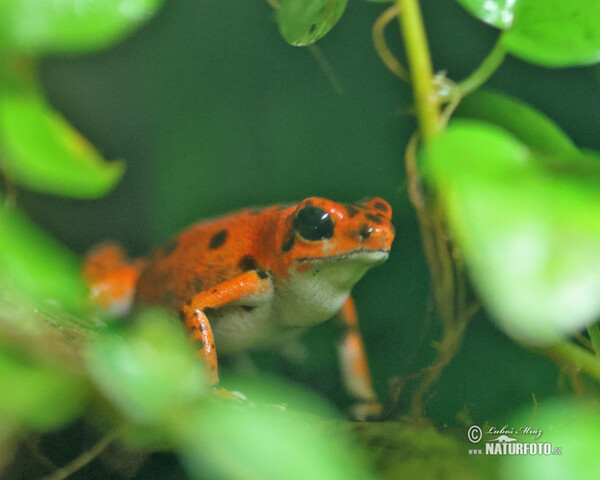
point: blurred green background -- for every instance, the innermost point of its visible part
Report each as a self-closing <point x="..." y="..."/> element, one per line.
<point x="213" y="111"/>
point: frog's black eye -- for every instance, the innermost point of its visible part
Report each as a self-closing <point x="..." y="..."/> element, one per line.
<point x="312" y="223"/>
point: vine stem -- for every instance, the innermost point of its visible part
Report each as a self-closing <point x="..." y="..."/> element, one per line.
<point x="574" y="355"/>
<point x="489" y="65"/>
<point x="421" y="70"/>
<point x="437" y="250"/>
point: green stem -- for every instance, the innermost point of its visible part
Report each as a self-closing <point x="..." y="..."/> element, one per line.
<point x="421" y="70"/>
<point x="594" y="332"/>
<point x="489" y="65"/>
<point x="576" y="356"/>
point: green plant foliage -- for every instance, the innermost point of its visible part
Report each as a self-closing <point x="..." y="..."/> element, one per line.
<point x="530" y="237"/>
<point x="38" y="266"/>
<point x="266" y="445"/>
<point x="34" y="27"/>
<point x="527" y="124"/>
<point x="573" y="426"/>
<point x="36" y="394"/>
<point x="499" y="13"/>
<point x="42" y="152"/>
<point x="302" y="22"/>
<point x="433" y="455"/>
<point x="149" y="371"/>
<point x="555" y="33"/>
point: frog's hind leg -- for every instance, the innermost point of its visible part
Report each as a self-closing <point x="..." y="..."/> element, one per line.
<point x="111" y="277"/>
<point x="354" y="366"/>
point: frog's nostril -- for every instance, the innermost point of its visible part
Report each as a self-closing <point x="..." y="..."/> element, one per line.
<point x="365" y="232"/>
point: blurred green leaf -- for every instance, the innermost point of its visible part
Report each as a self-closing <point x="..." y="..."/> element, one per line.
<point x="41" y="151"/>
<point x="526" y="123"/>
<point x="43" y="26"/>
<point x="530" y="237"/>
<point x="38" y="266"/>
<point x="38" y="395"/>
<point x="228" y="442"/>
<point x="8" y="441"/>
<point x="555" y="33"/>
<point x="302" y="22"/>
<point x="498" y="13"/>
<point x="149" y="371"/>
<point x="573" y="426"/>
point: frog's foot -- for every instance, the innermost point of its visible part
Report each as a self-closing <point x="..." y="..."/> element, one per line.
<point x="365" y="411"/>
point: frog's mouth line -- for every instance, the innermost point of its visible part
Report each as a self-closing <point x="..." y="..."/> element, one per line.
<point x="371" y="256"/>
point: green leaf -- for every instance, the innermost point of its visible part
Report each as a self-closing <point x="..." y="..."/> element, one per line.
<point x="38" y="396"/>
<point x="530" y="235"/>
<point x="42" y="26"/>
<point x="38" y="266"/>
<point x="302" y="22"/>
<point x="150" y="371"/>
<point x="526" y="123"/>
<point x="573" y="426"/>
<point x="264" y="444"/>
<point x="555" y="33"/>
<point x="41" y="151"/>
<point x="498" y="13"/>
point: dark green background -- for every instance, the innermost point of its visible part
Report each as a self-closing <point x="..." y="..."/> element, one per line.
<point x="213" y="111"/>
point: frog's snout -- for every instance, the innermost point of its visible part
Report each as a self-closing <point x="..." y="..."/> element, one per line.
<point x="376" y="231"/>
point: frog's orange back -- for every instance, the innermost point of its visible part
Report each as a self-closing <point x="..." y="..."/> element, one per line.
<point x="205" y="255"/>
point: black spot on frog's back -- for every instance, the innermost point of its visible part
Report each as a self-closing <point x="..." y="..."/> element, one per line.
<point x="382" y="207"/>
<point x="374" y="218"/>
<point x="351" y="210"/>
<point x="218" y="239"/>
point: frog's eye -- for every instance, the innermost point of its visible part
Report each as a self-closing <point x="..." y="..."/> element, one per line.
<point x="312" y="223"/>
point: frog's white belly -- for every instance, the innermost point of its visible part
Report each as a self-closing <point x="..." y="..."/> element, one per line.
<point x="241" y="327"/>
<point x="290" y="306"/>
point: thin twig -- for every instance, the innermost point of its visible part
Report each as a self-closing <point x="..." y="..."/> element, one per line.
<point x="317" y="54"/>
<point x="384" y="52"/>
<point x="83" y="459"/>
<point x="454" y="100"/>
<point x="594" y="333"/>
<point x="33" y="444"/>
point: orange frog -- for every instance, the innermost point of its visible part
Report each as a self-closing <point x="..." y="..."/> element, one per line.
<point x="257" y="278"/>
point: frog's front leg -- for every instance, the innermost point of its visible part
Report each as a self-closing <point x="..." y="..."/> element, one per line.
<point x="354" y="365"/>
<point x="249" y="284"/>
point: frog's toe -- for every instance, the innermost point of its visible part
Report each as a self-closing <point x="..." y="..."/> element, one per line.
<point x="224" y="394"/>
<point x="239" y="396"/>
